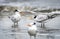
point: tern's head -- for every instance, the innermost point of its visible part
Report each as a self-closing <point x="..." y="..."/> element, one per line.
<point x="16" y="10"/>
<point x="19" y="11"/>
<point x="35" y="16"/>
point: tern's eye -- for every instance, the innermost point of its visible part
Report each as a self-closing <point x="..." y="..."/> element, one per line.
<point x="34" y="23"/>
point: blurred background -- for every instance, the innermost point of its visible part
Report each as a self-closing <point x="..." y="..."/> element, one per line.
<point x="41" y="3"/>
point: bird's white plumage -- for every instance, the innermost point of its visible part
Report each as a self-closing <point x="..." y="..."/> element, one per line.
<point x="56" y="12"/>
<point x="32" y="29"/>
<point x="15" y="17"/>
<point x="41" y="17"/>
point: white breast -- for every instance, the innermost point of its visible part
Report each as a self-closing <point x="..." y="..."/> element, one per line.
<point x="16" y="17"/>
<point x="33" y="27"/>
<point x="32" y="30"/>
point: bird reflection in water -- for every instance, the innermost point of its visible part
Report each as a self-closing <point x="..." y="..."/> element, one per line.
<point x="15" y="28"/>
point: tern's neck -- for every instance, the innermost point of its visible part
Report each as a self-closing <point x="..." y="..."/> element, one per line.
<point x="17" y="13"/>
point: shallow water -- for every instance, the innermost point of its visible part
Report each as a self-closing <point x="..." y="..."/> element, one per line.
<point x="20" y="32"/>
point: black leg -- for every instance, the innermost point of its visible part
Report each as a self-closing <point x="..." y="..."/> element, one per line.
<point x="17" y="23"/>
<point x="14" y="24"/>
<point x="42" y="25"/>
<point x="35" y="37"/>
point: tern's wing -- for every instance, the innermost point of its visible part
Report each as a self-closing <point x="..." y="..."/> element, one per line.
<point x="24" y="13"/>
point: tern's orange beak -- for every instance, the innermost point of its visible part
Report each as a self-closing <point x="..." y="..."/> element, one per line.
<point x="29" y="25"/>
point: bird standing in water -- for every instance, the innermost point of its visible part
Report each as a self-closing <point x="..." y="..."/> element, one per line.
<point x="15" y="17"/>
<point x="32" y="30"/>
<point x="41" y="19"/>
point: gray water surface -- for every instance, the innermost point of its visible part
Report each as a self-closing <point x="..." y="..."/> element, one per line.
<point x="20" y="32"/>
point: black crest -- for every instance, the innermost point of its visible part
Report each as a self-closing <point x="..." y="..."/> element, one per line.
<point x="16" y="10"/>
<point x="35" y="16"/>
